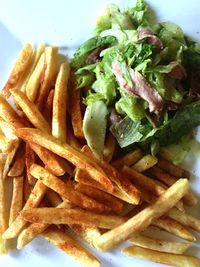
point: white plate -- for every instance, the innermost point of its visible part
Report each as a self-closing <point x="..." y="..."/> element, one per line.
<point x="67" y="24"/>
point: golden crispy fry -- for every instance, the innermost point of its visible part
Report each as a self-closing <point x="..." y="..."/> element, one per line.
<point x="71" y="247"/>
<point x="144" y="218"/>
<point x="60" y="103"/>
<point x="159" y="245"/>
<point x="120" y="180"/>
<point x="35" y="79"/>
<point x="71" y="216"/>
<point x="27" y="187"/>
<point x="115" y="204"/>
<point x="128" y="159"/>
<point x="17" y="198"/>
<point x="66" y="190"/>
<point x="5" y="144"/>
<point x="8" y="131"/>
<point x="30" y="158"/>
<point x="18" y="165"/>
<point x="33" y="201"/>
<point x="67" y="152"/>
<point x="33" y="63"/>
<point x="109" y="147"/>
<point x="51" y="55"/>
<point x="185" y="219"/>
<point x="162" y="257"/>
<point x="49" y="107"/>
<point x="76" y="116"/>
<point x="189" y="199"/>
<point x="31" y="111"/>
<point x="145" y="163"/>
<point x="83" y="177"/>
<point x="18" y="69"/>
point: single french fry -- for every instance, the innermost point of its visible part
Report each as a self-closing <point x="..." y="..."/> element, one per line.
<point x="174" y="227"/>
<point x="8" y="131"/>
<point x="59" y="125"/>
<point x="5" y="144"/>
<point x="76" y="115"/>
<point x="34" y="60"/>
<point x="115" y="176"/>
<point x="185" y="219"/>
<point x="49" y="106"/>
<point x="71" y="216"/>
<point x="50" y="55"/>
<point x="172" y="169"/>
<point x="66" y="190"/>
<point x="3" y="216"/>
<point x="109" y="147"/>
<point x="18" y="165"/>
<point x="71" y="247"/>
<point x="30" y="158"/>
<point x="162" y="257"/>
<point x="145" y="163"/>
<point x="17" y="198"/>
<point x="83" y="177"/>
<point x="189" y="199"/>
<point x="144" y="218"/>
<point x="67" y="152"/>
<point x="115" y="204"/>
<point x="159" y="245"/>
<point x="18" y="69"/>
<point x="35" y="79"/>
<point x="30" y="110"/>
<point x="33" y="201"/>
<point x="128" y="159"/>
<point x="27" y="188"/>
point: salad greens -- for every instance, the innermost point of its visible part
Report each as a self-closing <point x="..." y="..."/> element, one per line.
<point x="146" y="72"/>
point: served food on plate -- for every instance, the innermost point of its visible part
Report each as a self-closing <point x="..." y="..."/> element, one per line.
<point x="84" y="142"/>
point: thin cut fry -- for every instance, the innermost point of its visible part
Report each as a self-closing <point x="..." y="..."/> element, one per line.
<point x="33" y="201"/>
<point x="60" y="103"/>
<point x="144" y="218"/>
<point x="109" y="147"/>
<point x="159" y="245"/>
<point x="66" y="190"/>
<point x="76" y="116"/>
<point x="162" y="257"/>
<point x="128" y="159"/>
<point x="35" y="79"/>
<point x="71" y="216"/>
<point x="31" y="111"/>
<point x="17" y="198"/>
<point x="18" y="165"/>
<point x="51" y="55"/>
<point x="115" y="204"/>
<point x="18" y="69"/>
<point x="145" y="163"/>
<point x="67" y="152"/>
<point x="71" y="247"/>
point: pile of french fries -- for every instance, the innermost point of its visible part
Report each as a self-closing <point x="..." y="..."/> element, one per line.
<point x="58" y="184"/>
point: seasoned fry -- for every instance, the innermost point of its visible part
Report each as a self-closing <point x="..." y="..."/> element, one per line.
<point x="18" y="69"/>
<point x="8" y="131"/>
<point x="5" y="144"/>
<point x="30" y="158"/>
<point x="49" y="107"/>
<point x="71" y="247"/>
<point x="109" y="147"/>
<point x="162" y="257"/>
<point x="66" y="190"/>
<point x="27" y="188"/>
<point x="128" y="159"/>
<point x="17" y="198"/>
<point x="76" y="116"/>
<point x="189" y="199"/>
<point x="159" y="245"/>
<point x="31" y="111"/>
<point x="35" y="79"/>
<point x="144" y="218"/>
<point x="60" y="103"/>
<point x="71" y="216"/>
<point x="51" y="54"/>
<point x="33" y="201"/>
<point x="145" y="163"/>
<point x="67" y="152"/>
<point x="115" y="204"/>
<point x="18" y="165"/>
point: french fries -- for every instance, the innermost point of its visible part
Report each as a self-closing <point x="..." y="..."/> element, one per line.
<point x="145" y="163"/>
<point x="18" y="165"/>
<point x="144" y="218"/>
<point x="128" y="159"/>
<point x="162" y="257"/>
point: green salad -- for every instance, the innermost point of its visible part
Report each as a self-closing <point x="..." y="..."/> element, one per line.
<point x="139" y="80"/>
